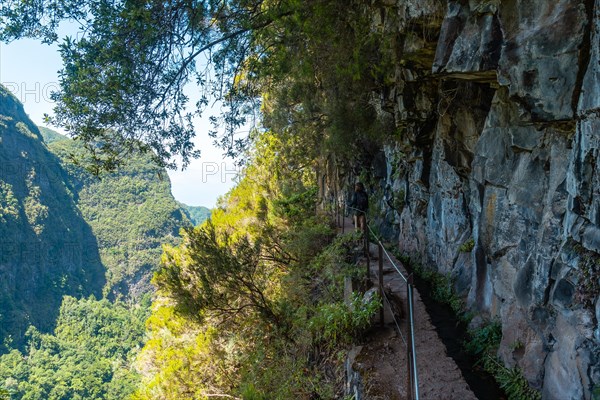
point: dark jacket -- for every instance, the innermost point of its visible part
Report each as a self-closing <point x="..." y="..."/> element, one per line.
<point x="359" y="202"/>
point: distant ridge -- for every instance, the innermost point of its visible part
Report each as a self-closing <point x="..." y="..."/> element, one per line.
<point x="50" y="135"/>
<point x="196" y="214"/>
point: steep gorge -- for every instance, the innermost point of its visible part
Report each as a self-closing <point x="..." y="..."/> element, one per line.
<point x="132" y="214"/>
<point x="66" y="232"/>
<point x="47" y="249"/>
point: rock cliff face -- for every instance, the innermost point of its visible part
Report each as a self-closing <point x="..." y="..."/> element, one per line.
<point x="47" y="249"/>
<point x="497" y="106"/>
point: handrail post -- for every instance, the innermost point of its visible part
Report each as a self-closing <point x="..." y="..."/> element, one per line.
<point x="336" y="209"/>
<point x="409" y="379"/>
<point x="343" y="216"/>
<point x="340" y="216"/>
<point x="366" y="237"/>
<point x="381" y="311"/>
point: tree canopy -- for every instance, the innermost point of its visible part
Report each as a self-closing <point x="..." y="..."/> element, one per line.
<point x="89" y="356"/>
<point x="133" y="64"/>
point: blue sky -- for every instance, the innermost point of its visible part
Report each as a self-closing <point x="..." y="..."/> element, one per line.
<point x="30" y="70"/>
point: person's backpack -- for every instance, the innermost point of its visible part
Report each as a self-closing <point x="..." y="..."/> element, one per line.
<point x="362" y="201"/>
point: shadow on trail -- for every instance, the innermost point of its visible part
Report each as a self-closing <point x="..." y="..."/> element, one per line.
<point x="453" y="334"/>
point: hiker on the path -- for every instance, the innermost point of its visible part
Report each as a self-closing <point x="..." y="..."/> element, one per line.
<point x="359" y="205"/>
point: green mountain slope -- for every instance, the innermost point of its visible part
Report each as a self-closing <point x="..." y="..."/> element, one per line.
<point x="64" y="235"/>
<point x="47" y="249"/>
<point x="132" y="214"/>
<point x="66" y="232"/>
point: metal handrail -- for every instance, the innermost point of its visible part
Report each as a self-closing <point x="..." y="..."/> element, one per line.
<point x="413" y="353"/>
<point x="413" y="374"/>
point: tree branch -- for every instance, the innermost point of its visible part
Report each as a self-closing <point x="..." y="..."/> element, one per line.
<point x="210" y="45"/>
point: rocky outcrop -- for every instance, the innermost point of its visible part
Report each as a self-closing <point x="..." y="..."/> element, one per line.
<point x="500" y="139"/>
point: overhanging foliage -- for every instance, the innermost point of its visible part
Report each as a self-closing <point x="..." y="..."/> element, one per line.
<point x="127" y="72"/>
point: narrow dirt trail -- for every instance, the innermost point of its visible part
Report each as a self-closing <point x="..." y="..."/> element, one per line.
<point x="382" y="358"/>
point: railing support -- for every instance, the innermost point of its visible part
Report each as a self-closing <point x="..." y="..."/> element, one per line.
<point x="339" y="215"/>
<point x="366" y="237"/>
<point x="409" y="392"/>
<point x="344" y="211"/>
<point x="380" y="273"/>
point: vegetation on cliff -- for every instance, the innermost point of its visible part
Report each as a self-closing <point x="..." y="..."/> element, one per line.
<point x="50" y="136"/>
<point x="132" y="213"/>
<point x="251" y="303"/>
<point x="47" y="250"/>
<point x="46" y="204"/>
<point x="94" y="342"/>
